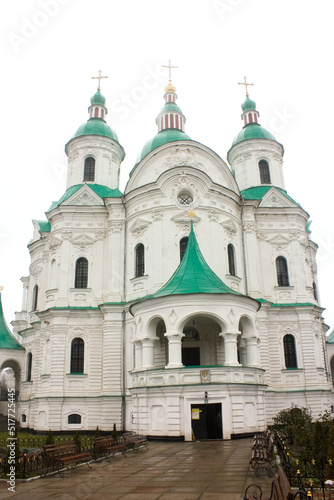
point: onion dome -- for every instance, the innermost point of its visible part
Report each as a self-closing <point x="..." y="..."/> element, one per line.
<point x="98" y="98"/>
<point x="252" y="129"/>
<point x="96" y="124"/>
<point x="170" y="122"/>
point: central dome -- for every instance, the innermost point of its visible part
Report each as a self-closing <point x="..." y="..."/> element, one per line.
<point x="163" y="137"/>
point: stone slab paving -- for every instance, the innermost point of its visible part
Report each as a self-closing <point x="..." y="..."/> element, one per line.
<point x="212" y="470"/>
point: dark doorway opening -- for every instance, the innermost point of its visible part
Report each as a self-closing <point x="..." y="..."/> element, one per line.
<point x="206" y="421"/>
<point x="191" y="356"/>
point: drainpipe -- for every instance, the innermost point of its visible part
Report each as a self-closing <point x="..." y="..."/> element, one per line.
<point x="123" y="323"/>
<point x="243" y="243"/>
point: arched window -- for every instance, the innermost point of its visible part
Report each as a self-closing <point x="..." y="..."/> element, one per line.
<point x="23" y="417"/>
<point x="74" y="418"/>
<point x="250" y="118"/>
<point x="290" y="351"/>
<point x="231" y="259"/>
<point x="140" y="260"/>
<point x="29" y="366"/>
<point x="89" y="170"/>
<point x="81" y="273"/>
<point x="282" y="271"/>
<point x="264" y="172"/>
<point x="34" y="298"/>
<point x="77" y="355"/>
<point x="96" y="113"/>
<point x="183" y="246"/>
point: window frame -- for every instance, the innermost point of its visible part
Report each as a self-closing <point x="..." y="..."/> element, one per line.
<point x="29" y="367"/>
<point x="290" y="352"/>
<point x="282" y="271"/>
<point x="89" y="169"/>
<point x="231" y="260"/>
<point x="81" y="273"/>
<point x="139" y="260"/>
<point x="77" y="356"/>
<point x="264" y="171"/>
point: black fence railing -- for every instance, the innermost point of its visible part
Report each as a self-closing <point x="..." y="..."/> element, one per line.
<point x="30" y="460"/>
<point x="315" y="477"/>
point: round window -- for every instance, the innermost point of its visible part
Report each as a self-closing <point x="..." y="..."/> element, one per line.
<point x="185" y="199"/>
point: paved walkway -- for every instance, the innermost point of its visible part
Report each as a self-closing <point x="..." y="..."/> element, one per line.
<point x="215" y="470"/>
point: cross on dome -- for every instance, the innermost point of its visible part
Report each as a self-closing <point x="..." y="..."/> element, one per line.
<point x="99" y="79"/>
<point x="246" y="84"/>
<point x="170" y="67"/>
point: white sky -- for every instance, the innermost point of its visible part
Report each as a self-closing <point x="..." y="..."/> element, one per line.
<point x="51" y="48"/>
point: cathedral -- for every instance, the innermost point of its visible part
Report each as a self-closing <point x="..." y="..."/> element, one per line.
<point x="185" y="307"/>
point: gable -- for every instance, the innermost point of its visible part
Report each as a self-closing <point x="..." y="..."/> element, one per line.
<point x="274" y="198"/>
<point x="84" y="196"/>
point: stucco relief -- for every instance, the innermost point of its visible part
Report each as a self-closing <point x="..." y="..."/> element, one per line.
<point x="139" y="227"/>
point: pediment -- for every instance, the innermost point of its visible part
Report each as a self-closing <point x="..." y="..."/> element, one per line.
<point x="84" y="197"/>
<point x="274" y="198"/>
<point x="83" y="240"/>
<point x="139" y="226"/>
<point x="230" y="226"/>
<point x="279" y="241"/>
<point x="183" y="218"/>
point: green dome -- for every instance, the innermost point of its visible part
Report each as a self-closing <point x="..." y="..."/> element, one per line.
<point x="253" y="131"/>
<point x="248" y="105"/>
<point x="96" y="126"/>
<point x="167" y="135"/>
<point x="170" y="106"/>
<point x="98" y="98"/>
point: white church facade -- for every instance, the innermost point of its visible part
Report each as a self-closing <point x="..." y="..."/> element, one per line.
<point x="186" y="306"/>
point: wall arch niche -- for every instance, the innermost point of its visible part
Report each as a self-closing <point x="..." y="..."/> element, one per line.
<point x="201" y="344"/>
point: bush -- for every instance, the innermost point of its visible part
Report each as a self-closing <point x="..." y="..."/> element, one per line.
<point x="115" y="434"/>
<point x="97" y="432"/>
<point x="77" y="440"/>
<point x="50" y="439"/>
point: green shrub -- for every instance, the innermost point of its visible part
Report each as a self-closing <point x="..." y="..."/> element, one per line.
<point x="115" y="434"/>
<point x="77" y="440"/>
<point x="50" y="438"/>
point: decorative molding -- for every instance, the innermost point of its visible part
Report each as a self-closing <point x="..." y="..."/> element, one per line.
<point x="230" y="227"/>
<point x="139" y="227"/>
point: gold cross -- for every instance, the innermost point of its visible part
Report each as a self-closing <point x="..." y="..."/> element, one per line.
<point x="170" y="70"/>
<point x="246" y="85"/>
<point x="99" y="79"/>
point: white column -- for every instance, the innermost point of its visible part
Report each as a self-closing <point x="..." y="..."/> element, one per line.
<point x="138" y="355"/>
<point x="231" y="350"/>
<point x="252" y="351"/>
<point x="25" y="281"/>
<point x="147" y="353"/>
<point x="174" y="349"/>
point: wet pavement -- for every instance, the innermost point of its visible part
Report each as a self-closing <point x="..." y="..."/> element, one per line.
<point x="212" y="470"/>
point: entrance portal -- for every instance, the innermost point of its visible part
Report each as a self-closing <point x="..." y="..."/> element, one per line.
<point x="206" y="421"/>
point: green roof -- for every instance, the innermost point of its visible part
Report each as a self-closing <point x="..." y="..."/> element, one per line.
<point x="248" y="105"/>
<point x="330" y="339"/>
<point x="101" y="191"/>
<point x="98" y="98"/>
<point x="171" y="106"/>
<point x="96" y="126"/>
<point x="167" y="135"/>
<point x="44" y="226"/>
<point x="258" y="192"/>
<point x="193" y="275"/>
<point x="252" y="131"/>
<point x="7" y="340"/>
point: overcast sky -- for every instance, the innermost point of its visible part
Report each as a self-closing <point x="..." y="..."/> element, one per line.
<point x="52" y="48"/>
